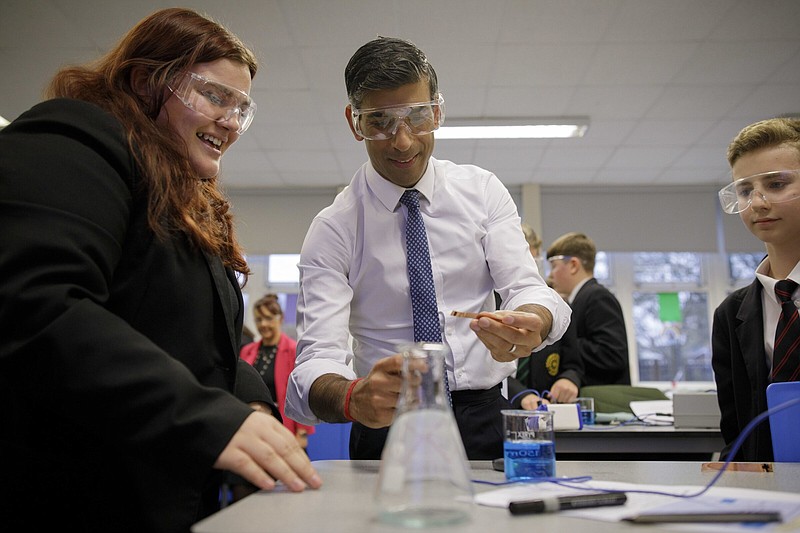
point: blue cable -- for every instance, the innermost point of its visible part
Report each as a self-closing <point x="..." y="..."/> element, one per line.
<point x="576" y="479"/>
<point x="564" y="481"/>
<point x="526" y="391"/>
<point x="545" y="394"/>
<point x="734" y="450"/>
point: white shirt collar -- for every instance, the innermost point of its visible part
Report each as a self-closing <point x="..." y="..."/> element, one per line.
<point x="576" y="289"/>
<point x="389" y="194"/>
<point x="768" y="283"/>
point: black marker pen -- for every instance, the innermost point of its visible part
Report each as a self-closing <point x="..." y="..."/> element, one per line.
<point x="565" y="503"/>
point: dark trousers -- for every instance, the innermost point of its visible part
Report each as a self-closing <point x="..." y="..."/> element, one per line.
<point x="477" y="414"/>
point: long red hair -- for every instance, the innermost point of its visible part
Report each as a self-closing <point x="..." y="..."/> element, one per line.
<point x="164" y="45"/>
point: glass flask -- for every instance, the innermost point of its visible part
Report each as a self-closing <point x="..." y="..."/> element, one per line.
<point x="424" y="477"/>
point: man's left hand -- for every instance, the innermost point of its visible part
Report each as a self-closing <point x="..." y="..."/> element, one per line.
<point x="510" y="335"/>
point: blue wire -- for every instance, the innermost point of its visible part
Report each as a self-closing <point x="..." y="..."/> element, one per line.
<point x="545" y="393"/>
<point x="576" y="479"/>
<point x="526" y="391"/>
<point x="734" y="450"/>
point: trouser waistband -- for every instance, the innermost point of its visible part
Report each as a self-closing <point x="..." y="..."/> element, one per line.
<point x="470" y="396"/>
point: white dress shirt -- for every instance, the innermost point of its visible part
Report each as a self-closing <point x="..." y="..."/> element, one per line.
<point x="353" y="277"/>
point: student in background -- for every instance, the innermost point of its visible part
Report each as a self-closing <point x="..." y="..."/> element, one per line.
<point x="748" y="343"/>
<point x="123" y="396"/>
<point x="596" y="313"/>
<point x="534" y="245"/>
<point x="274" y="358"/>
<point x="354" y="274"/>
<point x="556" y="369"/>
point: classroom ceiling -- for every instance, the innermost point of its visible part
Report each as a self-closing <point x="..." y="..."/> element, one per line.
<point x="665" y="84"/>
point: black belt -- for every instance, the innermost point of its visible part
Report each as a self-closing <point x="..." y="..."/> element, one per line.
<point x="472" y="396"/>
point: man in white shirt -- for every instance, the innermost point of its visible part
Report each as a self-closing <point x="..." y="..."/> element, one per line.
<point x="354" y="278"/>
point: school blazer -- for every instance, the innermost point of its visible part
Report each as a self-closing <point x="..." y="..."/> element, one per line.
<point x="602" y="339"/>
<point x="118" y="351"/>
<point x="740" y="369"/>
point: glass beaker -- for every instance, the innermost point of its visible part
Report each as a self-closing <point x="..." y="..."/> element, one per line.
<point x="529" y="452"/>
<point x="424" y="477"/>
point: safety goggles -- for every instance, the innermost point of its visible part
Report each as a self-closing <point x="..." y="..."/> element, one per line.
<point x="380" y="123"/>
<point x="774" y="187"/>
<point x="554" y="258"/>
<point x="215" y="100"/>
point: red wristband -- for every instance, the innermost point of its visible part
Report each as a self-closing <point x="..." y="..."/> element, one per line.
<point x="347" y="399"/>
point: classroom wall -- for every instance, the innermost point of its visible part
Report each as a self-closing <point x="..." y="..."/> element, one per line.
<point x="276" y="221"/>
<point x="619" y="219"/>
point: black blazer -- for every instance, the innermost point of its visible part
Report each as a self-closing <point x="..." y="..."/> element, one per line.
<point x="118" y="351"/>
<point x="602" y="339"/>
<point x="741" y="372"/>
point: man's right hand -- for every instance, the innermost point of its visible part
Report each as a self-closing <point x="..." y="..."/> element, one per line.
<point x="374" y="399"/>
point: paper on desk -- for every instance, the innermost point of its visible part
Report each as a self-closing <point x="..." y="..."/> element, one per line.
<point x="657" y="412"/>
<point x="740" y="500"/>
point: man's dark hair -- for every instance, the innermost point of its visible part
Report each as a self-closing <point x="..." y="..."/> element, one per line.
<point x="387" y="63"/>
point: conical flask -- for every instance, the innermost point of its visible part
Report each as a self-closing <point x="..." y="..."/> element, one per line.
<point x="424" y="475"/>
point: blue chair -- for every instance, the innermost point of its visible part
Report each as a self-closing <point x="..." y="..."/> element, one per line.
<point x="785" y="425"/>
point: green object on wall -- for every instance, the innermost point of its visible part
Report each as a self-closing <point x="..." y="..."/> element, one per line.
<point x="669" y="307"/>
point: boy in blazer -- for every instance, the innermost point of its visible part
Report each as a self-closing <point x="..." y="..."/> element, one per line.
<point x="596" y="312"/>
<point x="765" y="164"/>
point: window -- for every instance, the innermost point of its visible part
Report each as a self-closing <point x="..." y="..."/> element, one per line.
<point x="657" y="267"/>
<point x="672" y="336"/>
<point x="282" y="268"/>
<point x="671" y="317"/>
<point x="602" y="270"/>
<point x="742" y="267"/>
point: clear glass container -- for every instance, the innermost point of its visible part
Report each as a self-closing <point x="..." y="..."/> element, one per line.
<point x="424" y="475"/>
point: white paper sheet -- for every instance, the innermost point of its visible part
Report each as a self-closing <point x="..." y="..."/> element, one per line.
<point x="657" y="412"/>
<point x="788" y="504"/>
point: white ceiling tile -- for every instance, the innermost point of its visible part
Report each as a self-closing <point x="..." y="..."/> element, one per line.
<point x="542" y="64"/>
<point x="643" y="156"/>
<point x="698" y="102"/>
<point x="640" y="21"/>
<point x="528" y="101"/>
<point x="492" y="156"/>
<point x="557" y="21"/>
<point x="571" y="159"/>
<point x="769" y="101"/>
<point x="734" y="63"/>
<point x="613" y="102"/>
<point x="637" y="64"/>
<point x="774" y="20"/>
<point x="666" y="84"/>
<point x="667" y="132"/>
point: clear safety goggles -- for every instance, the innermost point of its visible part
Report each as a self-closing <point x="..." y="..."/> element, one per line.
<point x="380" y="123"/>
<point x="215" y="100"/>
<point x="773" y="187"/>
<point x="554" y="258"/>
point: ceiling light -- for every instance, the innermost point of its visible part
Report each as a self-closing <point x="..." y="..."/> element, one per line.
<point x="524" y="128"/>
<point x="3" y="123"/>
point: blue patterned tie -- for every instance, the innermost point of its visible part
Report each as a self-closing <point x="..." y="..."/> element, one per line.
<point x="420" y="277"/>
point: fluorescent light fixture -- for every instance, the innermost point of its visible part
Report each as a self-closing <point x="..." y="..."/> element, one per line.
<point x="3" y="123"/>
<point x="524" y="128"/>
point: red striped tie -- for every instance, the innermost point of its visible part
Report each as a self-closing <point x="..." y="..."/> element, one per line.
<point x="786" y="356"/>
